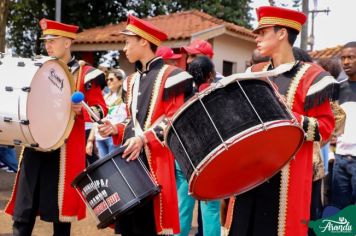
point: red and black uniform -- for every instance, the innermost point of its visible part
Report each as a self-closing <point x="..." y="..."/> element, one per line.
<point x="43" y="183"/>
<point x="157" y="98"/>
<point x="281" y="205"/>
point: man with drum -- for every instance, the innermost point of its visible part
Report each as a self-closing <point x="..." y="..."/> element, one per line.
<point x="43" y="184"/>
<point x="154" y="92"/>
<point x="281" y="205"/>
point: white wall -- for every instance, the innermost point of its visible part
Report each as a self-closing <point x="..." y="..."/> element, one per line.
<point x="231" y="49"/>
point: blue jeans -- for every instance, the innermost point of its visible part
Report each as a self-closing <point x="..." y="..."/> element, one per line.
<point x="325" y="156"/>
<point x="8" y="157"/>
<point x="105" y="146"/>
<point x="344" y="181"/>
<point x="210" y="210"/>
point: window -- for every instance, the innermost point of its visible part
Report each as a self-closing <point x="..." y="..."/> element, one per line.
<point x="228" y="68"/>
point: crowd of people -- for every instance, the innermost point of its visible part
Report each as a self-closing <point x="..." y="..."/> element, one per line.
<point x="135" y="111"/>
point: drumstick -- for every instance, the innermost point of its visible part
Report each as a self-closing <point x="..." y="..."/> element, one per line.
<point x="78" y="97"/>
<point x="77" y="82"/>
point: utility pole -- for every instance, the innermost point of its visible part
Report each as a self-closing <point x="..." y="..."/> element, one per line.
<point x="311" y="37"/>
<point x="58" y="10"/>
<point x="304" y="32"/>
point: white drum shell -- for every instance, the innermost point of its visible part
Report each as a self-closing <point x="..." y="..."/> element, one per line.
<point x="35" y="108"/>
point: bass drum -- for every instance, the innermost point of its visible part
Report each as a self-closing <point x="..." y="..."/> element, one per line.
<point x="231" y="138"/>
<point x="35" y="108"/>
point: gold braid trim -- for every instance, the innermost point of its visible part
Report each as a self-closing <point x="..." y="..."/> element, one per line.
<point x="129" y="92"/>
<point x="285" y="172"/>
<point x="312" y="124"/>
<point x="294" y="84"/>
<point x="280" y="21"/>
<point x="153" y="101"/>
<point x="283" y="200"/>
<point x="62" y="172"/>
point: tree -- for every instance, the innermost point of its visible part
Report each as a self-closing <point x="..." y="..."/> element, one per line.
<point x="4" y="5"/>
<point x="24" y="15"/>
<point x="235" y="11"/>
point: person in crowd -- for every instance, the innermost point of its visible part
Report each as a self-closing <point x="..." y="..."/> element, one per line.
<point x="43" y="183"/>
<point x="153" y="93"/>
<point x="199" y="47"/>
<point x="281" y="205"/>
<point x="8" y="160"/>
<point x="168" y="55"/>
<point x="116" y="113"/>
<point x="343" y="192"/>
<point x="203" y="72"/>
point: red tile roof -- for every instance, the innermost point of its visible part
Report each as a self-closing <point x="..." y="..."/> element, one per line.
<point x="326" y="53"/>
<point x="178" y="26"/>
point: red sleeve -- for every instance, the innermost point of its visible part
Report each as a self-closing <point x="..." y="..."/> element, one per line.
<point x="155" y="135"/>
<point x="318" y="123"/>
<point x="94" y="98"/>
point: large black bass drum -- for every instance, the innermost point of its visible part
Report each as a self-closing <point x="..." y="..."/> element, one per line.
<point x="232" y="137"/>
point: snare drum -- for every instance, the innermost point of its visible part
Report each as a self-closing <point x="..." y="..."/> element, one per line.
<point x="232" y="138"/>
<point x="112" y="187"/>
<point x="35" y="108"/>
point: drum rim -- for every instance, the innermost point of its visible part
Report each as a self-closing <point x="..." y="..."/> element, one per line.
<point x="96" y="164"/>
<point x="241" y="136"/>
<point x="71" y="120"/>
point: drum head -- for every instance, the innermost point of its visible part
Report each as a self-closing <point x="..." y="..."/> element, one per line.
<point x="248" y="162"/>
<point x="49" y="105"/>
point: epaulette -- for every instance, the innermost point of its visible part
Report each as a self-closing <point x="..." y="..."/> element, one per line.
<point x="324" y="87"/>
<point x="93" y="74"/>
<point x="178" y="81"/>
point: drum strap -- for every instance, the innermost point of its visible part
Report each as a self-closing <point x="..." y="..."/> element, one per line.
<point x="138" y="129"/>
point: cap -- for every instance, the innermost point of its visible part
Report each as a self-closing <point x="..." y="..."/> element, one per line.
<point x="144" y="29"/>
<point x="199" y="46"/>
<point x="54" y="29"/>
<point x="270" y="16"/>
<point x="167" y="53"/>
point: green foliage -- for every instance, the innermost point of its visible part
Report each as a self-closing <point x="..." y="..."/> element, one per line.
<point x="24" y="30"/>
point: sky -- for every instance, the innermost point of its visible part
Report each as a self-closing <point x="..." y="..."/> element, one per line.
<point x="336" y="28"/>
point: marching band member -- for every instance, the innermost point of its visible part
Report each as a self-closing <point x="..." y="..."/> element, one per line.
<point x="281" y="205"/>
<point x="43" y="183"/>
<point x="155" y="91"/>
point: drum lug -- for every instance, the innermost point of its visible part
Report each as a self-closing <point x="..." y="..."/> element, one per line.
<point x="9" y="89"/>
<point x="34" y="145"/>
<point x="8" y="119"/>
<point x="17" y="142"/>
<point x="26" y="89"/>
<point x="21" y="64"/>
<point x="25" y="122"/>
<point x="39" y="64"/>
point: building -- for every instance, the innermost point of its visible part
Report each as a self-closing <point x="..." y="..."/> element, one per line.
<point x="233" y="44"/>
